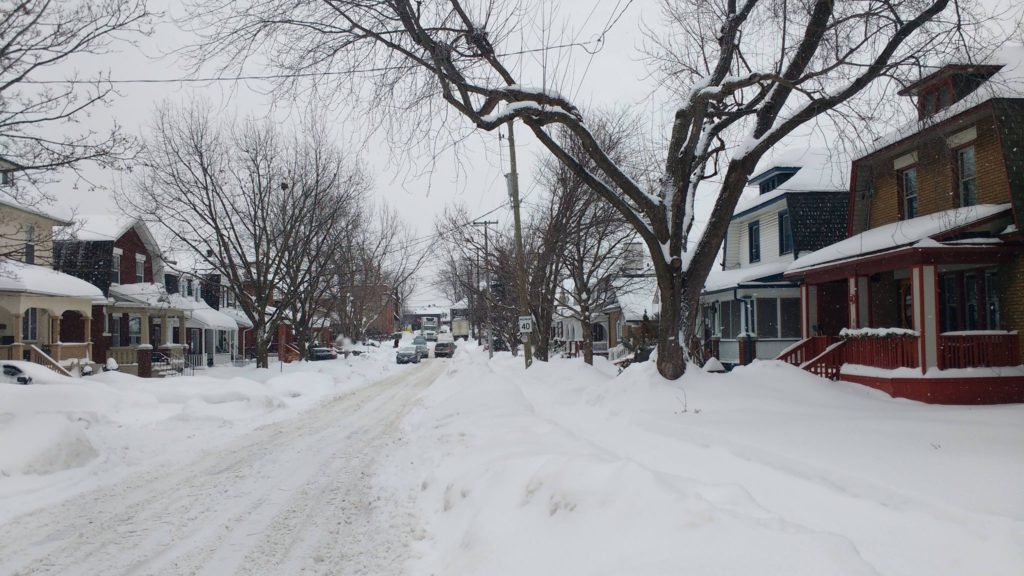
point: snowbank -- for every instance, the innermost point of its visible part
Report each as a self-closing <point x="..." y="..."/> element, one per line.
<point x="566" y="469"/>
<point x="61" y="436"/>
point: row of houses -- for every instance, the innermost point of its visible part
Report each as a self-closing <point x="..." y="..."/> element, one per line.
<point x="106" y="294"/>
<point x="902" y="269"/>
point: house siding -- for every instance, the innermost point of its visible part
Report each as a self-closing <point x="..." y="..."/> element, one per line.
<point x="1011" y="297"/>
<point x="13" y="225"/>
<point x="131" y="245"/>
<point x="936" y="172"/>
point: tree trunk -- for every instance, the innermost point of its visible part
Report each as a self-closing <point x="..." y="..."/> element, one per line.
<point x="671" y="358"/>
<point x="262" y="359"/>
<point x="587" y="327"/>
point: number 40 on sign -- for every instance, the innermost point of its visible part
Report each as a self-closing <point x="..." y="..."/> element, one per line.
<point x="526" y="323"/>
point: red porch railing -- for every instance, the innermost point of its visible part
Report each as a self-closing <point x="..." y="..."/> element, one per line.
<point x="978" y="349"/>
<point x="828" y="363"/>
<point x="888" y="352"/>
<point x="805" y="350"/>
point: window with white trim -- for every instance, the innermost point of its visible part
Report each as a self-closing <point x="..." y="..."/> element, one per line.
<point x="140" y="269"/>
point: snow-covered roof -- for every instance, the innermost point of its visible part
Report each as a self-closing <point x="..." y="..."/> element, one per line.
<point x="637" y="296"/>
<point x="431" y="310"/>
<point x="898" y="234"/>
<point x="724" y="279"/>
<point x="198" y="313"/>
<point x="821" y="170"/>
<point x="107" y="227"/>
<point x="10" y="202"/>
<point x="238" y="316"/>
<point x="1008" y="82"/>
<point x="20" y="277"/>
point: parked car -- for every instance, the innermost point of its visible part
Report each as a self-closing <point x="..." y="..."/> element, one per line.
<point x="430" y="335"/>
<point x="322" y="353"/>
<point x="421" y="346"/>
<point x="13" y="374"/>
<point x="407" y="355"/>
<point x="444" y="349"/>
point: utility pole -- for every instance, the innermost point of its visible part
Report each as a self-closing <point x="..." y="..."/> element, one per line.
<point x="487" y="297"/>
<point x="513" y="189"/>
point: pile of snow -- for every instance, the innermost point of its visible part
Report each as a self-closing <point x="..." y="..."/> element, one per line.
<point x="567" y="469"/>
<point x="60" y="436"/>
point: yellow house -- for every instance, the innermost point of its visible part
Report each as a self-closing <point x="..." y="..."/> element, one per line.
<point x="45" y="315"/>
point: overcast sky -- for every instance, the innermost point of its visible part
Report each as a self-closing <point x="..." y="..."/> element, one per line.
<point x="609" y="74"/>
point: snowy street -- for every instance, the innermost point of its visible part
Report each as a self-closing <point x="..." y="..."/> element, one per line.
<point x="291" y="497"/>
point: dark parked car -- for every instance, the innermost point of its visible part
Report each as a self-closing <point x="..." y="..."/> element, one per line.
<point x="421" y="346"/>
<point x="322" y="353"/>
<point x="15" y="375"/>
<point x="407" y="355"/>
<point x="444" y="349"/>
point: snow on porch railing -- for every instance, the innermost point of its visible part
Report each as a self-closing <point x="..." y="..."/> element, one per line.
<point x="976" y="349"/>
<point x="886" y="350"/>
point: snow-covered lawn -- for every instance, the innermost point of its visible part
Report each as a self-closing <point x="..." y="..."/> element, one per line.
<point x="568" y="469"/>
<point x="61" y="436"/>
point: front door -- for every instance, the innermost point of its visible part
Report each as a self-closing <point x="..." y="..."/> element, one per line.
<point x="833" y="308"/>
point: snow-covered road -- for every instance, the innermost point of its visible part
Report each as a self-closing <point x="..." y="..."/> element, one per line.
<point x="293" y="497"/>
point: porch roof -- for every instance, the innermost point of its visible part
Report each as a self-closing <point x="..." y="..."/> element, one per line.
<point x="238" y="316"/>
<point x="28" y="278"/>
<point x="720" y="280"/>
<point x="902" y="234"/>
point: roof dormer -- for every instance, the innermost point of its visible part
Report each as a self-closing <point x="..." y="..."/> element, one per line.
<point x="7" y="170"/>
<point x="773" y="177"/>
<point x="947" y="85"/>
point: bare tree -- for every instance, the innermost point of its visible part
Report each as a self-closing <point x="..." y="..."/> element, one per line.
<point x="375" y="263"/>
<point x="241" y="198"/>
<point x="308" y="262"/>
<point x="41" y="118"/>
<point x="742" y="76"/>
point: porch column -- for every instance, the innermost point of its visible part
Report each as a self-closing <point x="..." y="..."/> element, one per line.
<point x="182" y="331"/>
<point x="55" y="347"/>
<point x="87" y="327"/>
<point x="144" y="321"/>
<point x="17" y="348"/>
<point x="863" y="302"/>
<point x="165" y="330"/>
<point x="851" y="301"/>
<point x="926" y="318"/>
<point x="808" y="309"/>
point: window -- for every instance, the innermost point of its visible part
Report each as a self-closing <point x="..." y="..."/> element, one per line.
<point x="967" y="184"/>
<point x="789" y="317"/>
<point x="908" y="189"/>
<point x="188" y="287"/>
<point x="6" y="178"/>
<point x="971" y="301"/>
<point x="30" y="245"/>
<point x="949" y="296"/>
<point x="730" y="313"/>
<point x="30" y="325"/>
<point x="140" y="269"/>
<point x="992" y="300"/>
<point x="115" y="268"/>
<point x="222" y="342"/>
<point x="754" y="240"/>
<point x="135" y="331"/>
<point x="785" y="233"/>
<point x="115" y="331"/>
<point x="767" y="313"/>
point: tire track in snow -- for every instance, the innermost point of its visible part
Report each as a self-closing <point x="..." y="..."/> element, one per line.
<point x="293" y="497"/>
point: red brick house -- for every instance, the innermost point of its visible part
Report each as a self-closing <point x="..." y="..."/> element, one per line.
<point x="925" y="299"/>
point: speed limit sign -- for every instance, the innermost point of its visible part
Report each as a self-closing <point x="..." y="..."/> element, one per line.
<point x="526" y="323"/>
